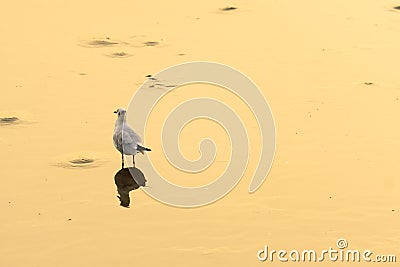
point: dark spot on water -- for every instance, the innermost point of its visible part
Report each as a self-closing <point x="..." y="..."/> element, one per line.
<point x="228" y="8"/>
<point x="392" y="210"/>
<point x="81" y="161"/>
<point x="368" y="83"/>
<point x="8" y="120"/>
<point x="119" y="55"/>
<point x="82" y="74"/>
<point x="397" y="7"/>
<point x="151" y="43"/>
<point x="69" y="219"/>
<point x="148" y="75"/>
<point x="181" y="54"/>
<point x="100" y="43"/>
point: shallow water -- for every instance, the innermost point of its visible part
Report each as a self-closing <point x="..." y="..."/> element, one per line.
<point x="335" y="173"/>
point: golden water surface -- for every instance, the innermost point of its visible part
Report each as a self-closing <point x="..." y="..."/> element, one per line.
<point x="328" y="69"/>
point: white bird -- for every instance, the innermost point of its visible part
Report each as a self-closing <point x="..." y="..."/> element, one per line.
<point x="126" y="141"/>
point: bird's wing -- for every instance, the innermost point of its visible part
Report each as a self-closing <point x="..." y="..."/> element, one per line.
<point x="127" y="139"/>
<point x="133" y="135"/>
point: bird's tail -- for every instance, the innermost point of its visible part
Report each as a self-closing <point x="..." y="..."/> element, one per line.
<point x="141" y="149"/>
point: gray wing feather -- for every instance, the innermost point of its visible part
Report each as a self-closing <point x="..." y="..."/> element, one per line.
<point x="133" y="137"/>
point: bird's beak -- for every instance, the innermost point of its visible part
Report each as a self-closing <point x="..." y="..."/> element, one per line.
<point x="116" y="111"/>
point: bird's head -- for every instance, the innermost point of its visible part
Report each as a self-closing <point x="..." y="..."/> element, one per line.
<point x="120" y="112"/>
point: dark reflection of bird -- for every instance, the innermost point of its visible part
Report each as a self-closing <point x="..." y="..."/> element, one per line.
<point x="128" y="179"/>
<point x="126" y="141"/>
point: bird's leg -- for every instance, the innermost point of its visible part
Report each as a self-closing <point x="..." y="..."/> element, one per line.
<point x="133" y="157"/>
<point x="122" y="160"/>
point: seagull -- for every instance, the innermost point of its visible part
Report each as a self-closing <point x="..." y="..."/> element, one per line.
<point x="126" y="141"/>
